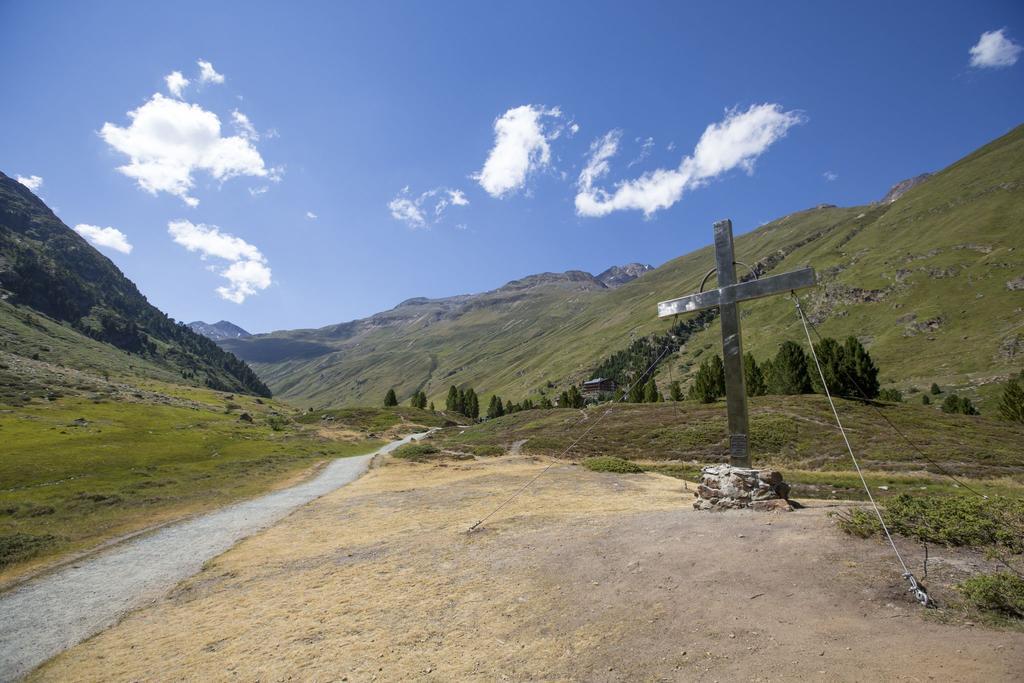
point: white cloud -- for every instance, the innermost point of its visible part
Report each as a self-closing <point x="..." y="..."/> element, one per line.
<point x="646" y="145"/>
<point x="176" y="83"/>
<point x="168" y="140"/>
<point x="736" y="141"/>
<point x="247" y="272"/>
<point x="410" y="210"/>
<point x="32" y="182"/>
<point x="994" y="50"/>
<point x="574" y="128"/>
<point x="830" y="176"/>
<point x="244" y="126"/>
<point x="311" y="216"/>
<point x="207" y="74"/>
<point x="111" y="238"/>
<point x="257" y="191"/>
<point x="520" y="147"/>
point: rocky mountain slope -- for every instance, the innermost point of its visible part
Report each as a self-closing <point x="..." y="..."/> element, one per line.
<point x="927" y="283"/>
<point x="620" y="275"/>
<point x="218" y="330"/>
<point x="47" y="269"/>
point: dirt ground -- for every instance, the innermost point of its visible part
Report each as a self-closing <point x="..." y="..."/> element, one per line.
<point x="586" y="576"/>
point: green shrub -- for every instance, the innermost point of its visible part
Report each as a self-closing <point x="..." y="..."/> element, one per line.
<point x="277" y="422"/>
<point x="610" y="464"/>
<point x="925" y="400"/>
<point x="950" y="521"/>
<point x="891" y="395"/>
<point x="959" y="404"/>
<point x="20" y="546"/>
<point x="416" y="452"/>
<point x="1011" y="403"/>
<point x="1001" y="592"/>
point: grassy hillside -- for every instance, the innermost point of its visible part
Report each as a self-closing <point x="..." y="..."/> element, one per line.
<point x="85" y="458"/>
<point x="930" y="283"/>
<point x="792" y="433"/>
<point x="47" y="268"/>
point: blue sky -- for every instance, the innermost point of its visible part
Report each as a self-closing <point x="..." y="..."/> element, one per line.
<point x="491" y="115"/>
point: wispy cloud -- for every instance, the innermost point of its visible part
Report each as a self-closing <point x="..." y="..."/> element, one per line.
<point x="32" y="182"/>
<point x="176" y="83"/>
<point x="735" y="142"/>
<point x="994" y="50"/>
<point x="646" y="145"/>
<point x="247" y="271"/>
<point x="311" y="216"/>
<point x="207" y="74"/>
<point x="427" y="208"/>
<point x="521" y="137"/>
<point x="244" y="127"/>
<point x="110" y="238"/>
<point x="830" y="176"/>
<point x="167" y="141"/>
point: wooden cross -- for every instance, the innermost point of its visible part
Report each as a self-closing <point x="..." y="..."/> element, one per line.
<point x="727" y="297"/>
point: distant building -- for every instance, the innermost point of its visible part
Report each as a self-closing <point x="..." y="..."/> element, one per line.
<point x="599" y="385"/>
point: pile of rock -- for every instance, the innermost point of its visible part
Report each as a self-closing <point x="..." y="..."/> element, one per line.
<point x="724" y="487"/>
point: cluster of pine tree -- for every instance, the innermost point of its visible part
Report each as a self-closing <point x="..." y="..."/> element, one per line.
<point x="463" y="401"/>
<point x="418" y="400"/>
<point x="629" y="364"/>
<point x="571" y="398"/>
<point x="848" y="369"/>
<point x="644" y="392"/>
<point x="497" y="407"/>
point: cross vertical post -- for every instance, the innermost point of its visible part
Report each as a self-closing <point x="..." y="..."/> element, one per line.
<point x="732" y="348"/>
<point x="726" y="298"/>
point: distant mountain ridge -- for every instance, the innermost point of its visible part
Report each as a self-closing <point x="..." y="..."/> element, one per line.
<point x="218" y="330"/>
<point x="49" y="268"/>
<point x="928" y="279"/>
<point x="616" y="276"/>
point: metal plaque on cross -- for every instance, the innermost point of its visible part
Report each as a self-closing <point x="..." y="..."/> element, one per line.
<point x="727" y="297"/>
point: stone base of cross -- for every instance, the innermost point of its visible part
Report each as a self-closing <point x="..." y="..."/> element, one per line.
<point x="727" y="297"/>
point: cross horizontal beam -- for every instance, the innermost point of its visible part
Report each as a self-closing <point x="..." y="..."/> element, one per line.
<point x="742" y="291"/>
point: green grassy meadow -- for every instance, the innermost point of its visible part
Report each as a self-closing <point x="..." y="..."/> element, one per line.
<point x="795" y="434"/>
<point x="81" y="469"/>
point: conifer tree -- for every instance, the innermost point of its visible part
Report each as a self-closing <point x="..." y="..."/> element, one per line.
<point x="709" y="382"/>
<point x="925" y="400"/>
<point x="495" y="408"/>
<point x="651" y="391"/>
<point x="463" y="405"/>
<point x="575" y="397"/>
<point x="545" y="403"/>
<point x="451" y="404"/>
<point x="509" y="408"/>
<point x="753" y="376"/>
<point x="862" y="369"/>
<point x="1011" y="404"/>
<point x="423" y="400"/>
<point x="935" y="389"/>
<point x="675" y="392"/>
<point x="563" y="400"/>
<point x="789" y="371"/>
<point x="636" y="393"/>
<point x="390" y="399"/>
<point x="834" y="365"/>
<point x="472" y="404"/>
<point x="432" y="407"/>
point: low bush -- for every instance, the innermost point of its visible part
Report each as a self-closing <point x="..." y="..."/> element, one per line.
<point x="20" y="546"/>
<point x="416" y="452"/>
<point x="1001" y="592"/>
<point x="610" y="464"/>
<point x="950" y="521"/>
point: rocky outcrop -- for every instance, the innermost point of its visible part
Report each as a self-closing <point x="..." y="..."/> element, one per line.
<point x="616" y="276"/>
<point x="901" y="188"/>
<point x="724" y="487"/>
<point x="219" y="330"/>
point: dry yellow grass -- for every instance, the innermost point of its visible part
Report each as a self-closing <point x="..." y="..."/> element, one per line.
<point x="586" y="576"/>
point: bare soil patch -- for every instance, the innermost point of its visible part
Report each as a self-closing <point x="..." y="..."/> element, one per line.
<point x="586" y="576"/>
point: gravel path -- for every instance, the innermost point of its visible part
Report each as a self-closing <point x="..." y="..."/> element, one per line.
<point x="59" y="609"/>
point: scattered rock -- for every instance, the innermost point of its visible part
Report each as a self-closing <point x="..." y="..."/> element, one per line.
<point x="245" y="417"/>
<point x="1015" y="284"/>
